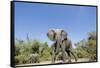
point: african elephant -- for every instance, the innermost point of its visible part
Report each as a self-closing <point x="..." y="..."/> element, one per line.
<point x="60" y="39"/>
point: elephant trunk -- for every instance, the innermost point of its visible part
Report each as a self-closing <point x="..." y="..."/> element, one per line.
<point x="58" y="42"/>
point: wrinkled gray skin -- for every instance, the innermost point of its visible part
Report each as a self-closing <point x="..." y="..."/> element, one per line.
<point x="60" y="39"/>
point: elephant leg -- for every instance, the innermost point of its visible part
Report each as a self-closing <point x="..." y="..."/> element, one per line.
<point x="69" y="56"/>
<point x="73" y="55"/>
<point x="57" y="46"/>
<point x="53" y="57"/>
<point x="53" y="54"/>
<point x="63" y="52"/>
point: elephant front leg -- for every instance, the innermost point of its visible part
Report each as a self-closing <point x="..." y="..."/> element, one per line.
<point x="63" y="52"/>
<point x="53" y="55"/>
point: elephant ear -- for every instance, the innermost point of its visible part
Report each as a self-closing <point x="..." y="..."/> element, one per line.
<point x="51" y="35"/>
<point x="63" y="35"/>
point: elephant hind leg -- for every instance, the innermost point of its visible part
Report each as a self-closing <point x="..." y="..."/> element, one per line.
<point x="74" y="56"/>
<point x="63" y="53"/>
<point x="69" y="56"/>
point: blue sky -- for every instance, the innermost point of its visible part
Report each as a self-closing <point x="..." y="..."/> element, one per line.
<point x="35" y="19"/>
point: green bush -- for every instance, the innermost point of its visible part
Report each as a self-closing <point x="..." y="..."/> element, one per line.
<point x="87" y="48"/>
<point x="31" y="51"/>
<point x="34" y="51"/>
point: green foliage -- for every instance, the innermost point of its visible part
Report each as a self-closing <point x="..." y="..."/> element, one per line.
<point x="35" y="46"/>
<point x="45" y="53"/>
<point x="31" y="51"/>
<point x="35" y="51"/>
<point x="87" y="48"/>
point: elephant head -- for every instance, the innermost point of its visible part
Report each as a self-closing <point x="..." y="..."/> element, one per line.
<point x="57" y="35"/>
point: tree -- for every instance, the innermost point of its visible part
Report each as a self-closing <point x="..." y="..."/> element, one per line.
<point x="87" y="48"/>
<point x="92" y="45"/>
<point x="45" y="52"/>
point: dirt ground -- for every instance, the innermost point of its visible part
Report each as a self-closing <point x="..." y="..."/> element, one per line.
<point x="49" y="62"/>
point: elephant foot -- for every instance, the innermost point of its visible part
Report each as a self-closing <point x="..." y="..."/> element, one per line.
<point x="69" y="61"/>
<point x="75" y="60"/>
<point x="63" y="62"/>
